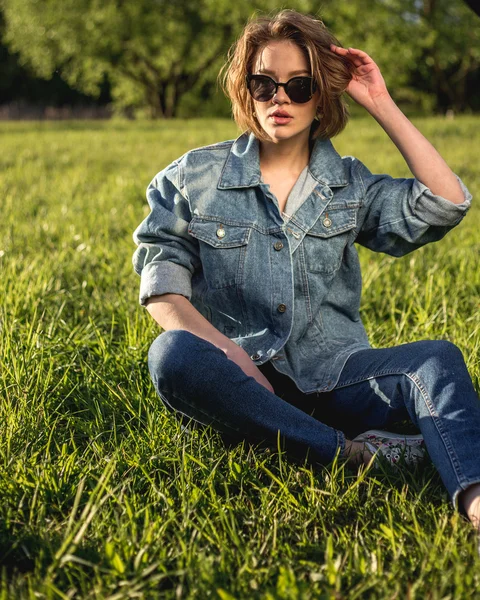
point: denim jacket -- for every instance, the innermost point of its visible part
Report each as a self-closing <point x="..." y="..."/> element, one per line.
<point x="288" y="292"/>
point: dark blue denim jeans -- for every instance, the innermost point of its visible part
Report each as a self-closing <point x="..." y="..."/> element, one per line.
<point x="426" y="382"/>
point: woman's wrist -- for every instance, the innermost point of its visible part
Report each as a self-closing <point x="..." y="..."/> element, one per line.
<point x="384" y="110"/>
<point x="234" y="351"/>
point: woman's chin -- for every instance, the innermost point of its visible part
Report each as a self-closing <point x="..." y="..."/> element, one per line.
<point x="281" y="133"/>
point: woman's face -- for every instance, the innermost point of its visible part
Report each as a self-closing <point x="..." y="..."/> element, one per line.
<point x="281" y="60"/>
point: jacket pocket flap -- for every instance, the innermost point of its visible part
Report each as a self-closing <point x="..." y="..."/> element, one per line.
<point x="333" y="221"/>
<point x="219" y="234"/>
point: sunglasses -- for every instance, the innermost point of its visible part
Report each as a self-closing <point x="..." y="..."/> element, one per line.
<point x="263" y="88"/>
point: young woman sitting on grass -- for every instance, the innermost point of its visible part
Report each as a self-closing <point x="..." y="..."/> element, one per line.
<point x="248" y="263"/>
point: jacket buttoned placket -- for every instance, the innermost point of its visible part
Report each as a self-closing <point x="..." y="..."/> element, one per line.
<point x="280" y="291"/>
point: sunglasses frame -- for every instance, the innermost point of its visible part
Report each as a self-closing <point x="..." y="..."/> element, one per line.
<point x="277" y="84"/>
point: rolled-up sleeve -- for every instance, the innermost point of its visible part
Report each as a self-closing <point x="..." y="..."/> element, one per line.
<point x="399" y="215"/>
<point x="167" y="255"/>
<point x="437" y="210"/>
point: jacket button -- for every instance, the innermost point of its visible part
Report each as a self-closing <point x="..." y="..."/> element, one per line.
<point x="327" y="222"/>
<point x="278" y="245"/>
<point x="255" y="356"/>
<point x="221" y="232"/>
<point x="281" y="308"/>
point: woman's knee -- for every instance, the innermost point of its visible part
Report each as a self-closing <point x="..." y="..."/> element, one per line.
<point x="437" y="354"/>
<point x="169" y="354"/>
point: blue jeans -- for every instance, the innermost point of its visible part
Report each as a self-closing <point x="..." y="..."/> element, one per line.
<point x="426" y="382"/>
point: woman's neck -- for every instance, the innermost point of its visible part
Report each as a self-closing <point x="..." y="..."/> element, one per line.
<point x="286" y="156"/>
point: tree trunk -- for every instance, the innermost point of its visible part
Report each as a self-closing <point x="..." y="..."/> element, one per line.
<point x="171" y="103"/>
<point x="155" y="103"/>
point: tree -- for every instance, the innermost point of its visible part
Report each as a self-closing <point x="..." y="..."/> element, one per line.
<point x="450" y="35"/>
<point x="428" y="50"/>
<point x="164" y="56"/>
<point x="153" y="51"/>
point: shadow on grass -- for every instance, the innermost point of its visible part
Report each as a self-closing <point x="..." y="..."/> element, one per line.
<point x="28" y="551"/>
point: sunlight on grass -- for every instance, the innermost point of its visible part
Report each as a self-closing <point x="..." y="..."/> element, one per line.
<point x="103" y="495"/>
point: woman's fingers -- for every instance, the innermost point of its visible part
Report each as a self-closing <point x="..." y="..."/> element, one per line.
<point x="359" y="52"/>
<point x="366" y="82"/>
<point x="338" y="50"/>
<point x="358" y="57"/>
<point x="352" y="57"/>
<point x="345" y="51"/>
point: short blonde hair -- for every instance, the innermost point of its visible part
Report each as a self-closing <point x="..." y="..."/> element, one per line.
<point x="331" y="71"/>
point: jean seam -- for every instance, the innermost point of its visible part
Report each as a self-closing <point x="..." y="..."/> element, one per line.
<point x="363" y="378"/>
<point x="443" y="435"/>
<point x="165" y="401"/>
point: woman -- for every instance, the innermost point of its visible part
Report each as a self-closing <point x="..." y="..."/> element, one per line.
<point x="248" y="263"/>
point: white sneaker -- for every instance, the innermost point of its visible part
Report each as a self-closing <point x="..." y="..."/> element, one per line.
<point x="394" y="446"/>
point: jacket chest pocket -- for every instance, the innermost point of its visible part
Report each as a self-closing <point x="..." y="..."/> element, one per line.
<point x="325" y="242"/>
<point x="223" y="247"/>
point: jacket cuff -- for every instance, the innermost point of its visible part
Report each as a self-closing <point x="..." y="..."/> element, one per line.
<point x="436" y="210"/>
<point x="164" y="277"/>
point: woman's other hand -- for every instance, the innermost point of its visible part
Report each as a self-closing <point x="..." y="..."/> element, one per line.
<point x="243" y="360"/>
<point x="173" y="311"/>
<point x="367" y="86"/>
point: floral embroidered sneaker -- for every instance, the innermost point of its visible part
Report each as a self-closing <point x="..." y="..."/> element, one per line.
<point x="395" y="447"/>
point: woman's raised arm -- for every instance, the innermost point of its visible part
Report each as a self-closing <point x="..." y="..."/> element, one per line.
<point x="368" y="89"/>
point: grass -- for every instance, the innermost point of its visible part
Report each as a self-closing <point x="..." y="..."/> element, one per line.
<point x="102" y="495"/>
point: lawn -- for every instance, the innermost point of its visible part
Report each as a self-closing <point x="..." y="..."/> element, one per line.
<point x="102" y="495"/>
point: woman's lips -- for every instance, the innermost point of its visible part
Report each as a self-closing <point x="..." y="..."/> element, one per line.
<point x="281" y="120"/>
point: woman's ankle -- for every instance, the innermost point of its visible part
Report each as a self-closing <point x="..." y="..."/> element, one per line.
<point x="469" y="499"/>
<point x="356" y="453"/>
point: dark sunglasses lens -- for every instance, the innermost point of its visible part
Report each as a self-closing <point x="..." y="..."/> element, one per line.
<point x="262" y="88"/>
<point x="300" y="89"/>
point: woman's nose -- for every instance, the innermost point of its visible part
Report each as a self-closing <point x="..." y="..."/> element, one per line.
<point x="280" y="95"/>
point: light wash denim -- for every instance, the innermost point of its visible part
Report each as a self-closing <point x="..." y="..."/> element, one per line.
<point x="426" y="382"/>
<point x="285" y="292"/>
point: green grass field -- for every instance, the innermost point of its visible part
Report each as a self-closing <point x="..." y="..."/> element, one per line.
<point x="101" y="493"/>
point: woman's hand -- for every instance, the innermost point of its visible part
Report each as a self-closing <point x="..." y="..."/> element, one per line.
<point x="367" y="86"/>
<point x="243" y="360"/>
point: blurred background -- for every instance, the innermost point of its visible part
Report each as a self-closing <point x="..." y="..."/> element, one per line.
<point x="160" y="59"/>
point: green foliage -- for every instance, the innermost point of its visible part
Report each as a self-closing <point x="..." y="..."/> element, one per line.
<point x="162" y="57"/>
<point x="450" y="42"/>
<point x="426" y="49"/>
<point x="153" y="51"/>
<point x="102" y="495"/>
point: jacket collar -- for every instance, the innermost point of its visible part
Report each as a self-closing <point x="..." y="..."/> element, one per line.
<point x="242" y="167"/>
